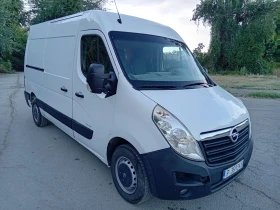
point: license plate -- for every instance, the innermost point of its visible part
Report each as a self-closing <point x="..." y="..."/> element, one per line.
<point x="233" y="169"/>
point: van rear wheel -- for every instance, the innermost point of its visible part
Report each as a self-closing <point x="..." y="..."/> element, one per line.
<point x="129" y="175"/>
<point x="38" y="118"/>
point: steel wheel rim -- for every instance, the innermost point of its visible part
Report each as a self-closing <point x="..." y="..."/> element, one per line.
<point x="126" y="175"/>
<point x="36" y="113"/>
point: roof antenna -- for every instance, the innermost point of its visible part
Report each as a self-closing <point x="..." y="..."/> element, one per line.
<point x="119" y="20"/>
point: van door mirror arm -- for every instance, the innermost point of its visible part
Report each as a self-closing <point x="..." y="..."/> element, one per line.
<point x="111" y="87"/>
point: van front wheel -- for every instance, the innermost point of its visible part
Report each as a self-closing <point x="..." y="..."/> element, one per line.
<point x="38" y="118"/>
<point x="129" y="175"/>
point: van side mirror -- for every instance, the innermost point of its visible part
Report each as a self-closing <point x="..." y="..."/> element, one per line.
<point x="96" y="77"/>
<point x="99" y="81"/>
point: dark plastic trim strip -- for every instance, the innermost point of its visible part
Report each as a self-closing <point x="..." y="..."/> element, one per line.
<point x="82" y="130"/>
<point x="69" y="122"/>
<point x="35" y="68"/>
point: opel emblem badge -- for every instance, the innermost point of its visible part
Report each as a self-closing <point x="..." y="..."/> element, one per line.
<point x="234" y="135"/>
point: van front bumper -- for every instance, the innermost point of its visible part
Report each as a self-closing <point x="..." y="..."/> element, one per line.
<point x="173" y="177"/>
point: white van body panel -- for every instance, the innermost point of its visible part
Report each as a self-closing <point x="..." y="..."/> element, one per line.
<point x="58" y="66"/>
<point x="60" y="125"/>
<point x="133" y="119"/>
<point x="38" y="31"/>
<point x="202" y="109"/>
<point x="64" y="27"/>
<point x="35" y="50"/>
<point x="95" y="20"/>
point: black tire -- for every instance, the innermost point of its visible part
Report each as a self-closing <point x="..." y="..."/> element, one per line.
<point x="38" y="118"/>
<point x="130" y="160"/>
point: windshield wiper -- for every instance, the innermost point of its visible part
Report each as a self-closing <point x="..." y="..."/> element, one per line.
<point x="204" y="84"/>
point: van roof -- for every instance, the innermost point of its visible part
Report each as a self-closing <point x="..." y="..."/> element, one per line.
<point x="99" y="20"/>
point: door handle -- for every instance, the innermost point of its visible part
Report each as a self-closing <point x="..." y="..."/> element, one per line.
<point x="63" y="89"/>
<point x="79" y="94"/>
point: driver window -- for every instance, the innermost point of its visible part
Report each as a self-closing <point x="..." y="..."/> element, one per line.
<point x="93" y="50"/>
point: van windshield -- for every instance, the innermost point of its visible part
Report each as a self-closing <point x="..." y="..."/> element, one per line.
<point x="156" y="62"/>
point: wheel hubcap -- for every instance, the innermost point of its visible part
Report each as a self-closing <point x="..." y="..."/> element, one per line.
<point x="36" y="113"/>
<point x="126" y="175"/>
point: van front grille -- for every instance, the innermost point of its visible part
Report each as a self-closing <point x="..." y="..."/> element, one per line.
<point x="223" y="150"/>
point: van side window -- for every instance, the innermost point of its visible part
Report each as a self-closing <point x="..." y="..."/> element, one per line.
<point x="93" y="50"/>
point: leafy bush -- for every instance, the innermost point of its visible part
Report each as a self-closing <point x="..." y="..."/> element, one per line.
<point x="13" y="36"/>
<point x="227" y="72"/>
<point x="17" y="57"/>
<point x="5" y="67"/>
<point x="243" y="71"/>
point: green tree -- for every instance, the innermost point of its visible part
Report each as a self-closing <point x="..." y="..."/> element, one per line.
<point x="19" y="37"/>
<point x="12" y="35"/>
<point x="276" y="54"/>
<point x="202" y="57"/>
<point x="17" y="57"/>
<point x="241" y="33"/>
<point x="44" y="10"/>
<point x="5" y="30"/>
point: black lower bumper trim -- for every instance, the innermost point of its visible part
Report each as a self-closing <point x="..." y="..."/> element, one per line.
<point x="173" y="177"/>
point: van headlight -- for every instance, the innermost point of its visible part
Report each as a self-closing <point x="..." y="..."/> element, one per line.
<point x="176" y="134"/>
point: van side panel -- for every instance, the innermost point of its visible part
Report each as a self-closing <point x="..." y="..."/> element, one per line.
<point x="58" y="74"/>
<point x="34" y="57"/>
<point x="59" y="58"/>
<point x="39" y="31"/>
<point x="57" y="81"/>
<point x="64" y="28"/>
<point x="34" y="66"/>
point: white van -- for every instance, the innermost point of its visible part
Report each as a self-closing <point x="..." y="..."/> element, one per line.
<point x="133" y="94"/>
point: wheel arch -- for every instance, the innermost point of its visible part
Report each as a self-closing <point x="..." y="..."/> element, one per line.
<point x="118" y="141"/>
<point x="32" y="97"/>
<point x="113" y="144"/>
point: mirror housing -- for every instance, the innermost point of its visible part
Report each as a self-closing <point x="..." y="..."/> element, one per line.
<point x="96" y="77"/>
<point x="101" y="82"/>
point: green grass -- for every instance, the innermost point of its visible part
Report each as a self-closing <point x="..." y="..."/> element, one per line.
<point x="251" y="82"/>
<point x="277" y="70"/>
<point x="264" y="95"/>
